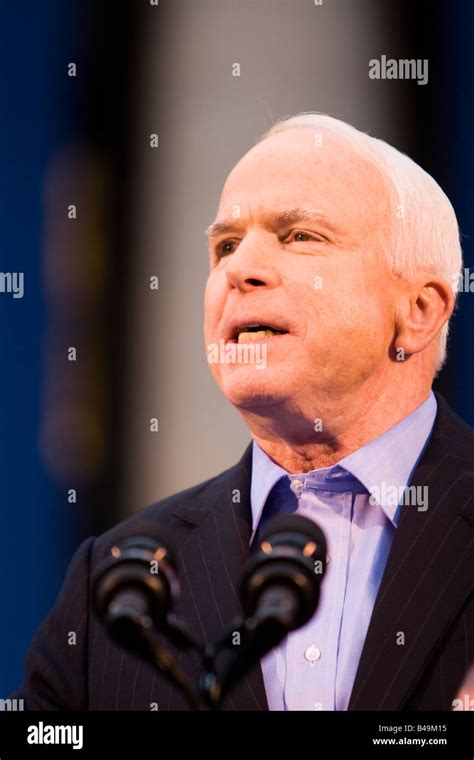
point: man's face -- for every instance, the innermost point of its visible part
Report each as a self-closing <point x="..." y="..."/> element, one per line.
<point x="320" y="279"/>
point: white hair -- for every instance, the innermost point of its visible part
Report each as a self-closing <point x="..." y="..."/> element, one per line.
<point x="424" y="235"/>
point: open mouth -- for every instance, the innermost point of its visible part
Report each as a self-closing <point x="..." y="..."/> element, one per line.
<point x="250" y="333"/>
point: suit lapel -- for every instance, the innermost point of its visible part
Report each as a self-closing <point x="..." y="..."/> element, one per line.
<point x="214" y="535"/>
<point x="427" y="577"/>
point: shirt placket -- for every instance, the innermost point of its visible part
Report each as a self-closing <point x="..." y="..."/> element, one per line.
<point x="310" y="653"/>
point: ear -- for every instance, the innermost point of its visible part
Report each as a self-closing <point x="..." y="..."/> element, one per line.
<point x="426" y="305"/>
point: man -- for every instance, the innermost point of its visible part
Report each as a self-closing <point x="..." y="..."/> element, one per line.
<point x="336" y="256"/>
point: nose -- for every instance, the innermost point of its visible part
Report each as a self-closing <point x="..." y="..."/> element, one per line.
<point x="252" y="265"/>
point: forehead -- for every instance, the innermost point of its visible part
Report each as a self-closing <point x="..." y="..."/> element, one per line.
<point x="293" y="168"/>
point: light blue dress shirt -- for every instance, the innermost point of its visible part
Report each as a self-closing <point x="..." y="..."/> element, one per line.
<point x="356" y="503"/>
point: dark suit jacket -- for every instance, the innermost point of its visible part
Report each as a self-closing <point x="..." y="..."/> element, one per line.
<point x="426" y="593"/>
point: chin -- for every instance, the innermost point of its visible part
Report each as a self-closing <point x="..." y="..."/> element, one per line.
<point x="247" y="390"/>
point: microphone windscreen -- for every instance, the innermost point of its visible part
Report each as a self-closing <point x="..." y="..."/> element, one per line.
<point x="137" y="531"/>
<point x="287" y="524"/>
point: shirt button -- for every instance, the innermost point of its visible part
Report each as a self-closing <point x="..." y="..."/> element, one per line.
<point x="312" y="654"/>
<point x="297" y="487"/>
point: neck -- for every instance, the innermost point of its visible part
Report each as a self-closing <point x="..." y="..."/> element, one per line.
<point x="301" y="439"/>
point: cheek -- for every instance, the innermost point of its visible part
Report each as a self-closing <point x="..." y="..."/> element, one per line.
<point x="351" y="314"/>
<point x="214" y="297"/>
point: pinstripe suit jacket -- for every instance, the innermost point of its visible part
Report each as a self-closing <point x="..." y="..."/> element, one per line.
<point x="426" y="593"/>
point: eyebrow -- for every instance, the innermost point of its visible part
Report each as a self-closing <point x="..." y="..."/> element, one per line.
<point x="282" y="218"/>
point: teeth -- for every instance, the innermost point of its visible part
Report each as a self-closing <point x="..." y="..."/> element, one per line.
<point x="248" y="337"/>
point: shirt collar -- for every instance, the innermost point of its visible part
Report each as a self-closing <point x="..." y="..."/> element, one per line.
<point x="265" y="474"/>
<point x="388" y="461"/>
<point x="383" y="463"/>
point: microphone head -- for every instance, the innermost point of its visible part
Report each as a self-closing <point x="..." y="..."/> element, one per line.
<point x="296" y="526"/>
<point x="290" y="555"/>
<point x="136" y="584"/>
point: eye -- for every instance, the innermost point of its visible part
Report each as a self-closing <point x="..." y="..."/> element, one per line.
<point x="302" y="237"/>
<point x="225" y="248"/>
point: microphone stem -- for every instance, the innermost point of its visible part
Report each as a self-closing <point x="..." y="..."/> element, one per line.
<point x="167" y="664"/>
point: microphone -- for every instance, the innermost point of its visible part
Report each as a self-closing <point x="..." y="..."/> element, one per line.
<point x="282" y="581"/>
<point x="279" y="590"/>
<point x="136" y="586"/>
<point x="133" y="593"/>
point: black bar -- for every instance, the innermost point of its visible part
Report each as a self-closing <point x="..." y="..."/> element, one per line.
<point x="308" y="734"/>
